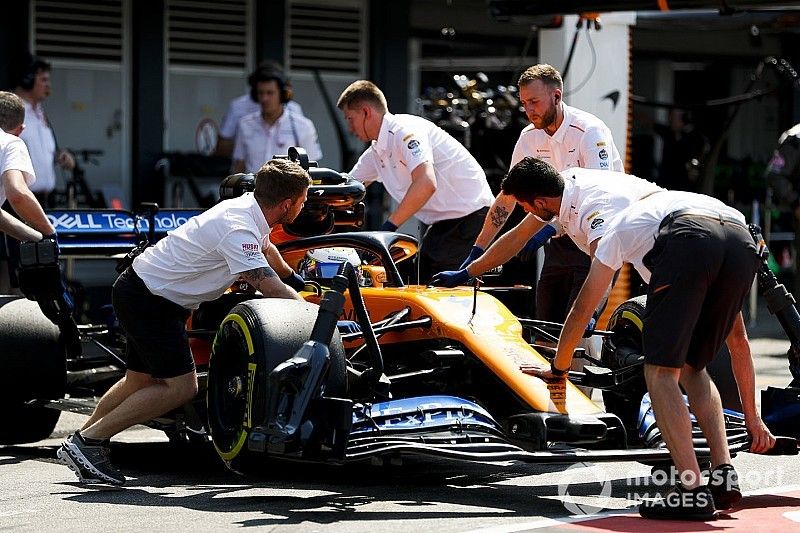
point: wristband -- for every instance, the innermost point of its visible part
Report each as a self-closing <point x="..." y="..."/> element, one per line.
<point x="556" y="372"/>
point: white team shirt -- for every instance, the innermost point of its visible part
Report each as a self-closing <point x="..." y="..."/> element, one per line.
<point x="199" y="260"/>
<point x="14" y="156"/>
<point x="631" y="234"/>
<point x="405" y="142"/>
<point x="244" y="105"/>
<point x="41" y="145"/>
<point x="582" y="140"/>
<point x="592" y="198"/>
<point x="257" y="142"/>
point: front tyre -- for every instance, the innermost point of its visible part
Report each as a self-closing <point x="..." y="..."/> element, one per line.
<point x="252" y="340"/>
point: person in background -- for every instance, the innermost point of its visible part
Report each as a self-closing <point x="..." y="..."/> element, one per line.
<point x="272" y="129"/>
<point x="33" y="87"/>
<point x="683" y="152"/>
<point x="247" y="104"/>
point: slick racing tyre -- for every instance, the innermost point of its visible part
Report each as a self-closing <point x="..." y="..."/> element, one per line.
<point x="252" y="340"/>
<point x="622" y="349"/>
<point x="32" y="366"/>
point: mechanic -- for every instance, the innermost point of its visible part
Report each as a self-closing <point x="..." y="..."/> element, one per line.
<point x="699" y="259"/>
<point x="154" y="296"/>
<point x="272" y="129"/>
<point x="783" y="176"/>
<point x="429" y="173"/>
<point x="33" y="87"/>
<point x="247" y="104"/>
<point x="17" y="174"/>
<point x="565" y="137"/>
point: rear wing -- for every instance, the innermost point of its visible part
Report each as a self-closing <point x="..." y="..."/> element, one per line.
<point x="109" y="233"/>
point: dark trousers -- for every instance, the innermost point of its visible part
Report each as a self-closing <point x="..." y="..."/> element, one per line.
<point x="446" y="243"/>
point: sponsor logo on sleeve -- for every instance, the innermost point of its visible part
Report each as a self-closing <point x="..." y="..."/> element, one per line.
<point x="601" y="144"/>
<point x="603" y="154"/>
<point x="413" y="144"/>
<point x="596" y="223"/>
<point x="407" y="137"/>
<point x="603" y="164"/>
<point x="592" y="215"/>
<point x="251" y="250"/>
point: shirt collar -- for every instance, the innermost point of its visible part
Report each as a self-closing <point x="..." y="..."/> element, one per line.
<point x="258" y="216"/>
<point x="386" y="133"/>
<point x="561" y="132"/>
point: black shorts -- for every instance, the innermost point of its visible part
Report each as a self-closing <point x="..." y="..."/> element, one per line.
<point x="701" y="272"/>
<point x="155" y="329"/>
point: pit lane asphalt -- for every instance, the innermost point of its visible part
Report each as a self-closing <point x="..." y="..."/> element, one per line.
<point x="189" y="490"/>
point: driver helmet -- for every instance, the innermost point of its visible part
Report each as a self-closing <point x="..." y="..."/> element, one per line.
<point x="325" y="262"/>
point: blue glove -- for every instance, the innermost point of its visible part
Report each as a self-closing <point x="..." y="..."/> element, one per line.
<point x="388" y="226"/>
<point x="590" y="328"/>
<point x="295" y="281"/>
<point x="450" y="278"/>
<point x="348" y="326"/>
<point x="474" y="253"/>
<point x="528" y="252"/>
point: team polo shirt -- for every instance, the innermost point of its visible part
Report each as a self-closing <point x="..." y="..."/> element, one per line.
<point x="631" y="234"/>
<point x="41" y="145"/>
<point x="14" y="156"/>
<point x="592" y="198"/>
<point x="405" y="142"/>
<point x="199" y="260"/>
<point x="257" y="141"/>
<point x="244" y="105"/>
<point x="582" y="140"/>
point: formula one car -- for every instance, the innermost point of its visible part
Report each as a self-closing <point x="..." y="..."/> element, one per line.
<point x="433" y="371"/>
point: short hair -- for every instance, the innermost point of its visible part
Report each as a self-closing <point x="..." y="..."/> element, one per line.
<point x="12" y="111"/>
<point x="533" y="178"/>
<point x="362" y="92"/>
<point x="278" y="180"/>
<point x="543" y="72"/>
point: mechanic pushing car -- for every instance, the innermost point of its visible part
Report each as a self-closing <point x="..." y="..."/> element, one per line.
<point x="153" y="297"/>
<point x="16" y="173"/>
<point x="428" y="172"/>
<point x="699" y="259"/>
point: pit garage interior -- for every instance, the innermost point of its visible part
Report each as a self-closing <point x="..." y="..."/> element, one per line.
<point x="137" y="86"/>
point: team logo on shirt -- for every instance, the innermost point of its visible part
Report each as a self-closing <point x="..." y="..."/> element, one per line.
<point x="596" y="223"/>
<point x="603" y="154"/>
<point x="407" y="137"/>
<point x="412" y="144"/>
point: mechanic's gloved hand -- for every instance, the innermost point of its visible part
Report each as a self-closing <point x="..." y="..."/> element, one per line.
<point x="528" y="252"/>
<point x="590" y="328"/>
<point x="348" y="326"/>
<point x="474" y="253"/>
<point x="295" y="281"/>
<point x="388" y="226"/>
<point x="450" y="278"/>
<point x="53" y="237"/>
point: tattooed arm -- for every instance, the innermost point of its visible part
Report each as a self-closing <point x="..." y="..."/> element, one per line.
<point x="506" y="246"/>
<point x="496" y="218"/>
<point x="269" y="284"/>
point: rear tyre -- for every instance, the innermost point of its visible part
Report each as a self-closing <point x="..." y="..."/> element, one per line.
<point x="253" y="339"/>
<point x="32" y="366"/>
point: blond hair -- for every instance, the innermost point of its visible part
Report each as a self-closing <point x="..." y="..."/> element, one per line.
<point x="543" y="72"/>
<point x="362" y="92"/>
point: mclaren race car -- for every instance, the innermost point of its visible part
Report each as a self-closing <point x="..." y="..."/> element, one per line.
<point x="432" y="370"/>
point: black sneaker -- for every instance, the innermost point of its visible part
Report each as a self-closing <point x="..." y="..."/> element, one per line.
<point x="681" y="504"/>
<point x="723" y="482"/>
<point x="90" y="462"/>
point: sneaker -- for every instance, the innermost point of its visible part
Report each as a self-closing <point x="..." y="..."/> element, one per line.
<point x="681" y="504"/>
<point x="723" y="482"/>
<point x="90" y="462"/>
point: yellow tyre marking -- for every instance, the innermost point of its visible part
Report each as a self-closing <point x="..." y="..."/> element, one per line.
<point x="633" y="318"/>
